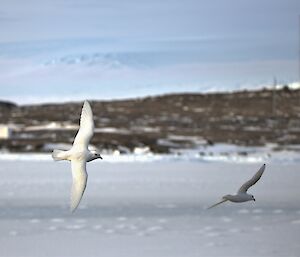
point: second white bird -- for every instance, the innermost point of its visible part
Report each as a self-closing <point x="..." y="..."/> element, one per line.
<point x="242" y="195"/>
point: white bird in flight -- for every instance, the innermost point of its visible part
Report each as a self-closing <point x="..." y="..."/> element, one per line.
<point x="79" y="154"/>
<point x="242" y="195"/>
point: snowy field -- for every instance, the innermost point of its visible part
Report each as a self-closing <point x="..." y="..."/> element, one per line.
<point x="141" y="209"/>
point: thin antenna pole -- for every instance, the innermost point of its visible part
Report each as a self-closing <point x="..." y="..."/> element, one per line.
<point x="274" y="97"/>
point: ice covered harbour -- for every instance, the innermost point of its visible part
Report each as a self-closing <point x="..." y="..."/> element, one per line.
<point x="152" y="209"/>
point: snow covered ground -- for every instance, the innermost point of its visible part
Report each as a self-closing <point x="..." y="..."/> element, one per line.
<point x="146" y="209"/>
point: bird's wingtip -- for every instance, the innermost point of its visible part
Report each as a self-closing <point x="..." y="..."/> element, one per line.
<point x="72" y="209"/>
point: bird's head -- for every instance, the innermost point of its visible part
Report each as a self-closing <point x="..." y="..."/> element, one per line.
<point x="252" y="198"/>
<point x="94" y="155"/>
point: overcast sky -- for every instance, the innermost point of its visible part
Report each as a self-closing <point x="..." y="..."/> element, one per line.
<point x="64" y="50"/>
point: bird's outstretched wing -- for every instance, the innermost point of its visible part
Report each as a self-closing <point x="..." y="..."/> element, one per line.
<point x="224" y="200"/>
<point x="80" y="176"/>
<point x="253" y="180"/>
<point x="86" y="129"/>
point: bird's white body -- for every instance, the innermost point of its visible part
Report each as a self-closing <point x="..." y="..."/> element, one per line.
<point x="239" y="198"/>
<point x="74" y="154"/>
<point x="79" y="155"/>
<point x="242" y="195"/>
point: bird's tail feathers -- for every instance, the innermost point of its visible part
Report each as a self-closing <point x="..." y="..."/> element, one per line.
<point x="224" y="200"/>
<point x="58" y="155"/>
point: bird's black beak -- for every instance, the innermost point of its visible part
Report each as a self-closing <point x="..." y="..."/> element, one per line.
<point x="254" y="199"/>
<point x="100" y="157"/>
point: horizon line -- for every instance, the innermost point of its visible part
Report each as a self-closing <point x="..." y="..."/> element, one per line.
<point x="38" y="100"/>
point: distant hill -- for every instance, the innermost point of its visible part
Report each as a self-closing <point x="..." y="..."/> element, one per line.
<point x="6" y="105"/>
<point x="162" y="123"/>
